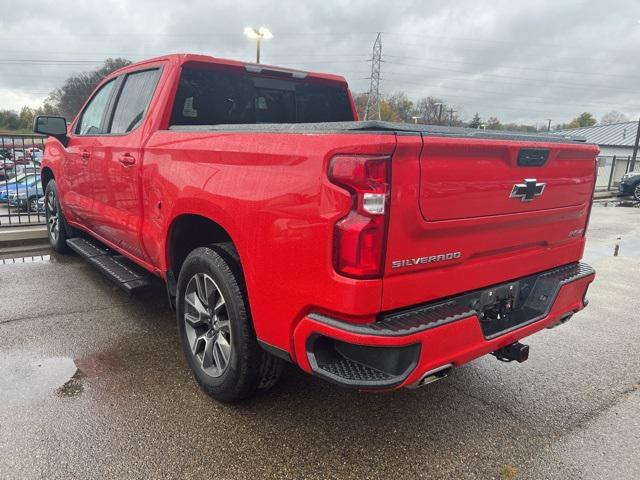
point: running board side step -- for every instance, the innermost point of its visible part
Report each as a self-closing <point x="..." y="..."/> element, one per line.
<point x="117" y="268"/>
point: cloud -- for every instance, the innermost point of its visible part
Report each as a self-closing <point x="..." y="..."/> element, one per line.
<point x="519" y="61"/>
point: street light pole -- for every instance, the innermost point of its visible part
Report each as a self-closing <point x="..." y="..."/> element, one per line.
<point x="258" y="49"/>
<point x="258" y="34"/>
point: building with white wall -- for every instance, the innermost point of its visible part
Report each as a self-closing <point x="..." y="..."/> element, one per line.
<point x="616" y="149"/>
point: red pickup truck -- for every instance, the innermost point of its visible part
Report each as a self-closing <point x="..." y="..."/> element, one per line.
<point x="371" y="254"/>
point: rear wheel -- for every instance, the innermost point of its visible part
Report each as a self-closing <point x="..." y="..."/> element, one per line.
<point x="636" y="192"/>
<point x="215" y="327"/>
<point x="56" y="225"/>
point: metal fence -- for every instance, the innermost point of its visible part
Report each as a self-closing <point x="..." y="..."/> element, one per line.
<point x="610" y="171"/>
<point x="20" y="184"/>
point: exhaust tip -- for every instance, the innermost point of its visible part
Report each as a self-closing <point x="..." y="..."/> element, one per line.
<point x="434" y="375"/>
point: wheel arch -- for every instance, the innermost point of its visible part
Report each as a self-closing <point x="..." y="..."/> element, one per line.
<point x="46" y="175"/>
<point x="186" y="233"/>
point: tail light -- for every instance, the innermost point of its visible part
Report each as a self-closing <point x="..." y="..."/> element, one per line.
<point x="359" y="237"/>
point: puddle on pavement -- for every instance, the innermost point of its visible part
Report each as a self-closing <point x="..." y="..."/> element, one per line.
<point x="8" y="257"/>
<point x="29" y="259"/>
<point x="24" y="380"/>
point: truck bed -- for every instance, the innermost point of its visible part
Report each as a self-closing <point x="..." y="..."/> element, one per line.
<point x="379" y="127"/>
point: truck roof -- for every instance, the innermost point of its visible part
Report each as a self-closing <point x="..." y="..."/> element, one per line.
<point x="182" y="58"/>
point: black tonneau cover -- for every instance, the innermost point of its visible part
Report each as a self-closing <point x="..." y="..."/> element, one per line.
<point x="381" y="127"/>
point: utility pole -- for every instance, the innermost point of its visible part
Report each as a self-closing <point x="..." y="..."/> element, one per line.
<point x="451" y="112"/>
<point x="635" y="149"/>
<point x="549" y="126"/>
<point x="440" y="107"/>
<point x="372" y="112"/>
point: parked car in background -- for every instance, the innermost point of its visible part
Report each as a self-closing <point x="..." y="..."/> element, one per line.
<point x="5" y="153"/>
<point x="9" y="185"/>
<point x="26" y="194"/>
<point x="630" y="185"/>
<point x="26" y="169"/>
<point x="32" y="150"/>
<point x="19" y="157"/>
<point x="6" y="164"/>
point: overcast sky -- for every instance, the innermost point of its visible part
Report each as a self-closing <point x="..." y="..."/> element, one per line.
<point x="523" y="61"/>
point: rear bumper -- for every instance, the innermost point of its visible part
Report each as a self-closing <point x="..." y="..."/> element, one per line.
<point x="402" y="347"/>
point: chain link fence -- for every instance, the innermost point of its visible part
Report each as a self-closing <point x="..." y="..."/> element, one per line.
<point x="21" y="193"/>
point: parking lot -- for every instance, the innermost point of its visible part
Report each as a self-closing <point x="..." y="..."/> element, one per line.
<point x="93" y="385"/>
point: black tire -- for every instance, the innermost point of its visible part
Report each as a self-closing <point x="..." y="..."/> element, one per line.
<point x="636" y="192"/>
<point x="57" y="229"/>
<point x="248" y="369"/>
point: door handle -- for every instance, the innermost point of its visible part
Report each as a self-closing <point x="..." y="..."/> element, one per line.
<point x="127" y="160"/>
<point x="85" y="155"/>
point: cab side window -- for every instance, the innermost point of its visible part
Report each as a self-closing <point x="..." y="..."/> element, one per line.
<point x="134" y="100"/>
<point x="92" y="119"/>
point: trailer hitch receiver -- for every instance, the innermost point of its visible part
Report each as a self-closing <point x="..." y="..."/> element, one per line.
<point x="516" y="351"/>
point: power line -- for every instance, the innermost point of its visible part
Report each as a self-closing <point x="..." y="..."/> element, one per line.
<point x="510" y="77"/>
<point x="483" y="64"/>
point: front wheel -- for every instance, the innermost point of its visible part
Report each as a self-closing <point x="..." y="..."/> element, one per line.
<point x="636" y="192"/>
<point x="215" y="327"/>
<point x="56" y="225"/>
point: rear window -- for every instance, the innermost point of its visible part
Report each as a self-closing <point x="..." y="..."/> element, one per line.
<point x="211" y="97"/>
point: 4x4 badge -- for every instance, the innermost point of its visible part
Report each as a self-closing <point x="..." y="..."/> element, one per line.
<point x="528" y="190"/>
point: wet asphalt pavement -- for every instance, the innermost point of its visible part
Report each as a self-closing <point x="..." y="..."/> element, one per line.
<point x="93" y="385"/>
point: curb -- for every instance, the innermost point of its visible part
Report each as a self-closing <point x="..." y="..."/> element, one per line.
<point x="27" y="235"/>
<point x="600" y="195"/>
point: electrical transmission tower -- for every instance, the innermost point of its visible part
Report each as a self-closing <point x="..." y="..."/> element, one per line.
<point x="372" y="112"/>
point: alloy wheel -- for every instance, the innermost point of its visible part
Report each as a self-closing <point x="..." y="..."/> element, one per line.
<point x="636" y="192"/>
<point x="207" y="324"/>
<point x="51" y="208"/>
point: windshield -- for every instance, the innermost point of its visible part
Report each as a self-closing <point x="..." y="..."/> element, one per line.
<point x="214" y="97"/>
<point x="23" y="179"/>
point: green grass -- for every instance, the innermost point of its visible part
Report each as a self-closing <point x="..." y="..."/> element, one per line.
<point x="20" y="131"/>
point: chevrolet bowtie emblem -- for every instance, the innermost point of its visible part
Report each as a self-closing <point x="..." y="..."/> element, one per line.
<point x="528" y="190"/>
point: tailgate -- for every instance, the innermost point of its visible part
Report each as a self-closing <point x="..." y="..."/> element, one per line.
<point x="467" y="213"/>
<point x="478" y="178"/>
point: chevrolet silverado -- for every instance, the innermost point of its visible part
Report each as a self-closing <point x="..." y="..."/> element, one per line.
<point x="374" y="255"/>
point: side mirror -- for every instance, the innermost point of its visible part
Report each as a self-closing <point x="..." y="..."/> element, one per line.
<point x="51" y="126"/>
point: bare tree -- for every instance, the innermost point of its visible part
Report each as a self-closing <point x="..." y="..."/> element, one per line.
<point x="433" y="111"/>
<point x="69" y="98"/>
<point x="613" y="116"/>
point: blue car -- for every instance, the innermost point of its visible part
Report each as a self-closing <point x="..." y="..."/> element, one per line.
<point x="9" y="186"/>
<point x="26" y="193"/>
